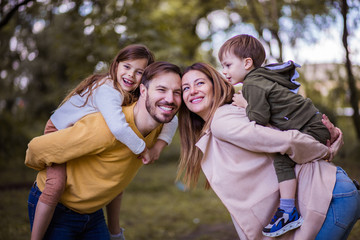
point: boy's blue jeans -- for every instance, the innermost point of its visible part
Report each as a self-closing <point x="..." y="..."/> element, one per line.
<point x="344" y="209"/>
<point x="67" y="224"/>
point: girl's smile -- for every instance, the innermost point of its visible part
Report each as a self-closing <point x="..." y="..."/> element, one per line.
<point x="129" y="73"/>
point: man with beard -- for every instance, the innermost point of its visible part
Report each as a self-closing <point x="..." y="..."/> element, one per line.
<point x="98" y="166"/>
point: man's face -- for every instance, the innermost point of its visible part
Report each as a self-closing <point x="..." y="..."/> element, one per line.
<point x="163" y="97"/>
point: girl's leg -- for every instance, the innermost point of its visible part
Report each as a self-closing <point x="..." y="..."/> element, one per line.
<point x="343" y="211"/>
<point x="32" y="202"/>
<point x="42" y="219"/>
<point x="54" y="187"/>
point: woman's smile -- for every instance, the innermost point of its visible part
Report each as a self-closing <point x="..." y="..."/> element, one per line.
<point x="197" y="92"/>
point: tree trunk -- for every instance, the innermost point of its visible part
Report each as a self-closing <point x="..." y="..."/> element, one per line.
<point x="6" y="18"/>
<point x="351" y="80"/>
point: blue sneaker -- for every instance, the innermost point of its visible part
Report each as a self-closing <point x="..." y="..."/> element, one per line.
<point x="283" y="222"/>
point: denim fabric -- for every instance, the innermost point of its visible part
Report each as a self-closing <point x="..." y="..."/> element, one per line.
<point x="344" y="209"/>
<point x="67" y="224"/>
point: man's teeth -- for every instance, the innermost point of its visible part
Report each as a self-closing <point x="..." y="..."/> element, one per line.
<point x="166" y="108"/>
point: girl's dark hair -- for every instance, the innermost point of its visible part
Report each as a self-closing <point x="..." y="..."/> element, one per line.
<point x="130" y="52"/>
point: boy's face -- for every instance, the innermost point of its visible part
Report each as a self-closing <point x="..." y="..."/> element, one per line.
<point x="235" y="68"/>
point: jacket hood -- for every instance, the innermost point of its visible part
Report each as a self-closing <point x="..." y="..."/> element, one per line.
<point x="282" y="73"/>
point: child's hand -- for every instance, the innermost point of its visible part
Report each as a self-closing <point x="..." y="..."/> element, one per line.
<point x="154" y="154"/>
<point x="145" y="156"/>
<point x="239" y="100"/>
<point x="156" y="150"/>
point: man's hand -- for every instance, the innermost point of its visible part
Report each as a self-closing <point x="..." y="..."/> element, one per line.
<point x="155" y="151"/>
<point x="239" y="100"/>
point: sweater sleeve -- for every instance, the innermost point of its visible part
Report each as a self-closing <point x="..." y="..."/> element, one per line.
<point x="231" y="125"/>
<point x="88" y="136"/>
<point x="168" y="130"/>
<point x="258" y="108"/>
<point x="108" y="101"/>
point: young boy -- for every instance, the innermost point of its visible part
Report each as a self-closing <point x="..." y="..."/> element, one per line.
<point x="270" y="97"/>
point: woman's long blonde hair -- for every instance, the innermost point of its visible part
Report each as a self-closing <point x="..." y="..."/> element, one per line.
<point x="192" y="127"/>
<point x="130" y="52"/>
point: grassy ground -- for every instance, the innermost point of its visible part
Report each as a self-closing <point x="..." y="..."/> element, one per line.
<point x="153" y="206"/>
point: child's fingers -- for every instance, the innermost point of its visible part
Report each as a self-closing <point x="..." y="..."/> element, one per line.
<point x="145" y="161"/>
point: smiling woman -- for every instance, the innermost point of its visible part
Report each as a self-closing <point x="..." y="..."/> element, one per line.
<point x="197" y="92"/>
<point x="236" y="157"/>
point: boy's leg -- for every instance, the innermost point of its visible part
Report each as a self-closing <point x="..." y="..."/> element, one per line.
<point x="315" y="128"/>
<point x="286" y="217"/>
<point x="284" y="167"/>
<point x="285" y="173"/>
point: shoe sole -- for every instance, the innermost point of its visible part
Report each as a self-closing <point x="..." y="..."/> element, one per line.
<point x="286" y="228"/>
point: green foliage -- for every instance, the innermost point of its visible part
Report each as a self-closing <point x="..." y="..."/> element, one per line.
<point x="48" y="47"/>
<point x="38" y="66"/>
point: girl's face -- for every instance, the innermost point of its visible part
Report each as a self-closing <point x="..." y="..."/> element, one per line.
<point x="197" y="93"/>
<point x="129" y="73"/>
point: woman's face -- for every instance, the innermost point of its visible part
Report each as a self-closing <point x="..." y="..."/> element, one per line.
<point x="129" y="73"/>
<point x="197" y="93"/>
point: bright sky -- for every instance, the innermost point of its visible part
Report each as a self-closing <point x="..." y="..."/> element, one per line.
<point x="328" y="49"/>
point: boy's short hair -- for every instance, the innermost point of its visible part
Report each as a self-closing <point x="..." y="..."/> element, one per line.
<point x="244" y="46"/>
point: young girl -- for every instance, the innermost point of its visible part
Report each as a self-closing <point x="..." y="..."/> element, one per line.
<point x="104" y="93"/>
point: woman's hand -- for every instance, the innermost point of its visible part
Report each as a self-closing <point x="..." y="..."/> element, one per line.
<point x="335" y="146"/>
<point x="334" y="131"/>
<point x="336" y="141"/>
<point x="239" y="100"/>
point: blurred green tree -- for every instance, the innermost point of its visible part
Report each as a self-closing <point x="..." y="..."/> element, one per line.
<point x="344" y="8"/>
<point x="48" y="46"/>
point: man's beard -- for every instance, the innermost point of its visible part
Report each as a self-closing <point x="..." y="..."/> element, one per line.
<point x="151" y="108"/>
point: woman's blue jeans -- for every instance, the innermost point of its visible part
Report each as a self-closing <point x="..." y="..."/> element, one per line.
<point x="344" y="209"/>
<point x="67" y="224"/>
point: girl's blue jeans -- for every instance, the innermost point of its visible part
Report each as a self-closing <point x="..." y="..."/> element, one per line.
<point x="67" y="224"/>
<point x="344" y="209"/>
